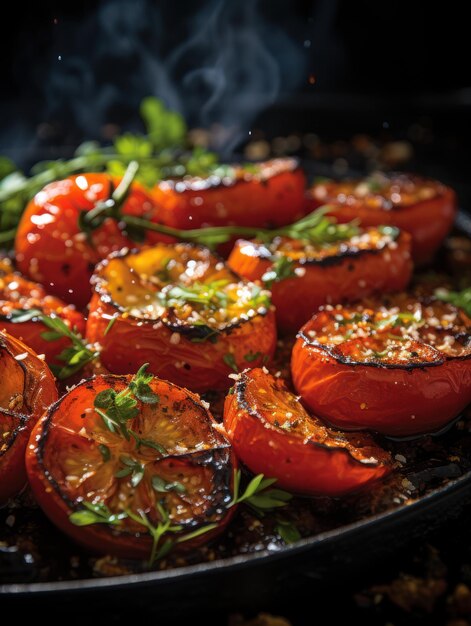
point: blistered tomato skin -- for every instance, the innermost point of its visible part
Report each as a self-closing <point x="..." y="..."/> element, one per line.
<point x="272" y="433"/>
<point x="338" y="273"/>
<point x="424" y="208"/>
<point x="27" y="390"/>
<point x="50" y="247"/>
<point x="73" y="457"/>
<point x="19" y="296"/>
<point x="193" y="339"/>
<point x="403" y="369"/>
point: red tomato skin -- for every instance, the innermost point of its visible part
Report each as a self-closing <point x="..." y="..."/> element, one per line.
<point x="132" y="342"/>
<point x="427" y="221"/>
<point x="95" y="539"/>
<point x="51" y="249"/>
<point x="30" y="332"/>
<point x="39" y="392"/>
<point x="392" y="401"/>
<point x="12" y="465"/>
<point x="302" y="468"/>
<point x="345" y="280"/>
<point x="275" y="201"/>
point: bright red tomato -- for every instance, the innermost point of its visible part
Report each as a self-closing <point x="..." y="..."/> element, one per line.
<point x="273" y="434"/>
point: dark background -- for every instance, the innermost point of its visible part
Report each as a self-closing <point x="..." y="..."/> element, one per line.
<point x="393" y="71"/>
<point x="372" y="75"/>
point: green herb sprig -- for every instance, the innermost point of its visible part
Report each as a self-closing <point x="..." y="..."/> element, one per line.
<point x="258" y="495"/>
<point x="461" y="299"/>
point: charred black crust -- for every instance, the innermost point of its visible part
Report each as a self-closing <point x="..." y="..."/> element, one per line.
<point x="189" y="331"/>
<point x="22" y="424"/>
<point x="4" y="345"/>
<point x="243" y="403"/>
<point x="215" y="458"/>
<point x="331" y="351"/>
<point x="338" y="259"/>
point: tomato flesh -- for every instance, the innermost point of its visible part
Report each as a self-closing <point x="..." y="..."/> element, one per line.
<point x="74" y="457"/>
<point x="184" y="312"/>
<point x="400" y="365"/>
<point x="273" y="434"/>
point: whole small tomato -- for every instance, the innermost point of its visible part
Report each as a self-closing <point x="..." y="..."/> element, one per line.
<point x="118" y="456"/>
<point x="422" y="207"/>
<point x="52" y="249"/>
<point x="182" y="310"/>
<point x="273" y="434"/>
<point x="22" y="303"/>
<point x="302" y="276"/>
<point x="27" y="390"/>
<point x="399" y="365"/>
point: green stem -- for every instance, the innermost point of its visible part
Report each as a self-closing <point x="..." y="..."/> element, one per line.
<point x="121" y="192"/>
<point x="7" y="235"/>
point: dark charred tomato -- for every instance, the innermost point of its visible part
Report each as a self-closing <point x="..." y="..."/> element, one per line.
<point x="182" y="310"/>
<point x="26" y="391"/>
<point x="22" y="302"/>
<point x="424" y="208"/>
<point x="165" y="460"/>
<point x="303" y="276"/>
<point x="268" y="194"/>
<point x="400" y="366"/>
<point x="272" y="433"/>
<point x="51" y="248"/>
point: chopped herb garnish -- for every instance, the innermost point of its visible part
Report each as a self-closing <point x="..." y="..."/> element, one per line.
<point x="461" y="299"/>
<point x="110" y="324"/>
<point x="230" y="361"/>
<point x="131" y="468"/>
<point x="252" y="356"/>
<point x="287" y="531"/>
<point x="105" y="452"/>
<point x="18" y="316"/>
<point x="139" y="385"/>
<point x="76" y="356"/>
<point x="257" y="494"/>
<point x="96" y="513"/>
<point x="163" y="486"/>
<point x="282" y="268"/>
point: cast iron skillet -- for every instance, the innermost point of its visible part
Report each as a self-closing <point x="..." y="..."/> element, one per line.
<point x="312" y="563"/>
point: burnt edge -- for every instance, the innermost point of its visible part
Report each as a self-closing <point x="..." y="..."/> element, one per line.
<point x="206" y="456"/>
<point x="240" y="389"/>
<point x="189" y="331"/>
<point x="22" y="424"/>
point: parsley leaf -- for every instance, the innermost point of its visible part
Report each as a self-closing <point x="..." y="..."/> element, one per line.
<point x="461" y="299"/>
<point x="139" y="385"/>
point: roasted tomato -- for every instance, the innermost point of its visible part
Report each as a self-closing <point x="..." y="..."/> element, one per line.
<point x="26" y="391"/>
<point x="180" y="309"/>
<point x="400" y="365"/>
<point x="21" y="304"/>
<point x="424" y="208"/>
<point x="303" y="276"/>
<point x="268" y="194"/>
<point x="272" y="434"/>
<point x="102" y="455"/>
<point x="52" y="249"/>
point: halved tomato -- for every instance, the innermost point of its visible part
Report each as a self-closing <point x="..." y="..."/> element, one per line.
<point x="400" y="365"/>
<point x="14" y="436"/>
<point x="264" y="195"/>
<point x="374" y="260"/>
<point x="182" y="310"/>
<point x="115" y="457"/>
<point x="21" y="304"/>
<point x="50" y="245"/>
<point x="424" y="208"/>
<point x="273" y="434"/>
<point x="27" y="390"/>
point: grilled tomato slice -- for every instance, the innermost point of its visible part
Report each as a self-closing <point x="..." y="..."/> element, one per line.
<point x="262" y="195"/>
<point x="26" y="391"/>
<point x="52" y="249"/>
<point x="424" y="208"/>
<point x="400" y="365"/>
<point x="22" y="303"/>
<point x="273" y="434"/>
<point x="303" y="275"/>
<point x="124" y="465"/>
<point x="182" y="310"/>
